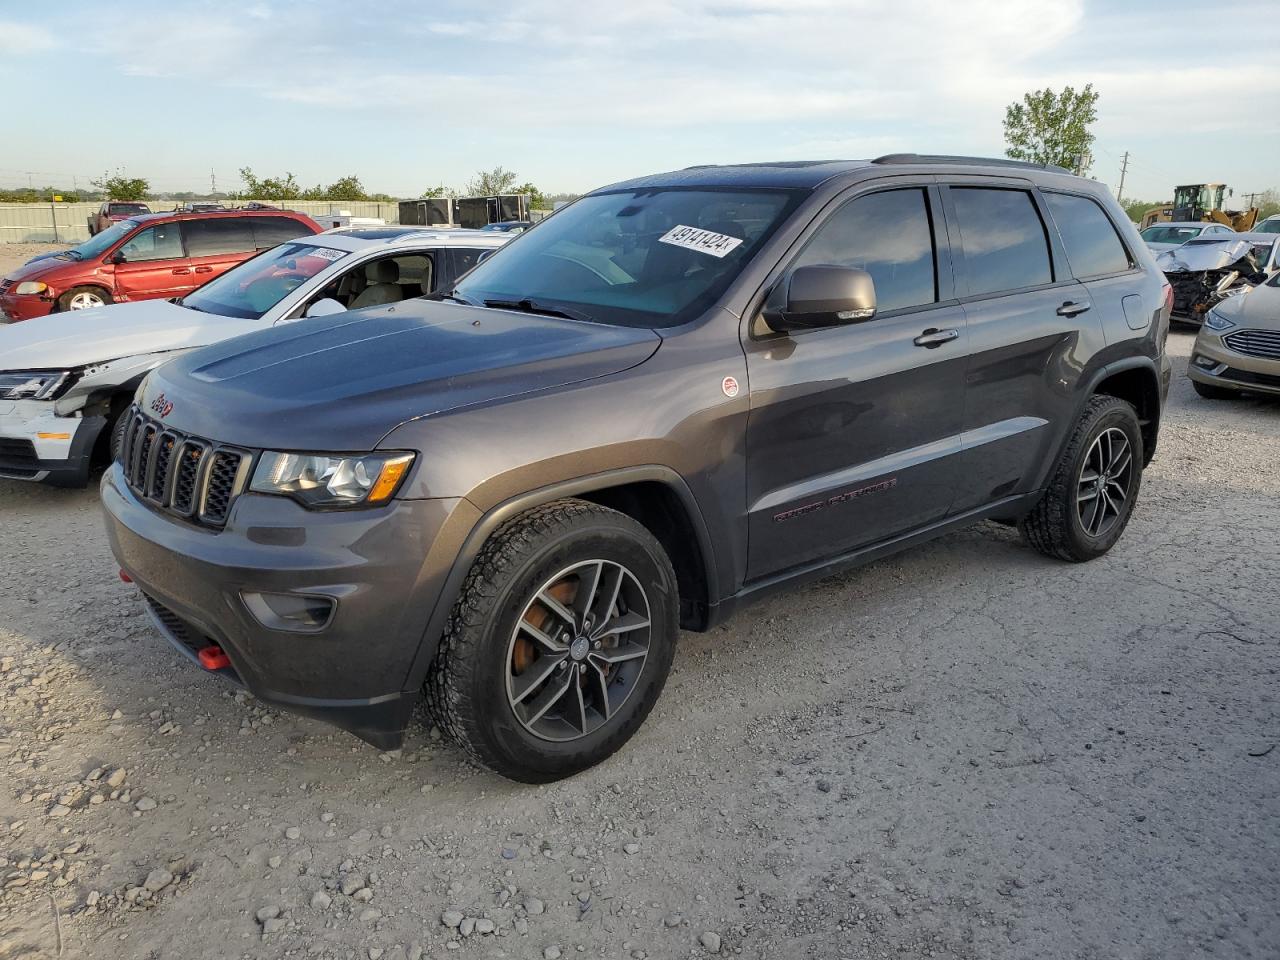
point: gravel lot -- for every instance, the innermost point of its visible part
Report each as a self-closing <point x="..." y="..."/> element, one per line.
<point x="964" y="751"/>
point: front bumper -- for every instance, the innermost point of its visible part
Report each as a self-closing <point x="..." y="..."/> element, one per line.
<point x="383" y="569"/>
<point x="38" y="445"/>
<point x="14" y="308"/>
<point x="1215" y="363"/>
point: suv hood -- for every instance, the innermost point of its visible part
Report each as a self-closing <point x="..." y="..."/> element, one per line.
<point x="61" y="341"/>
<point x="341" y="383"/>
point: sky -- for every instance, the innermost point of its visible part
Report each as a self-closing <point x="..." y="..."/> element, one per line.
<point x="574" y="94"/>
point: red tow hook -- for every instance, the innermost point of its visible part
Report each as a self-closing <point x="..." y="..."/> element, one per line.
<point x="212" y="657"/>
<point x="125" y="577"/>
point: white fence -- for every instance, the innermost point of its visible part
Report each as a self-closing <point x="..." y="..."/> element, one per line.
<point x="69" y="222"/>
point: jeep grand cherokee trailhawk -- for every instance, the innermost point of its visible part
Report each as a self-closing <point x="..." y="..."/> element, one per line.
<point x="676" y="394"/>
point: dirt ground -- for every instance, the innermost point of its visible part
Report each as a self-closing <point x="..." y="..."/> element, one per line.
<point x="965" y="751"/>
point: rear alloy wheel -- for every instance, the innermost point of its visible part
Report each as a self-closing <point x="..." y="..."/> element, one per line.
<point x="83" y="298"/>
<point x="560" y="643"/>
<point x="1092" y="491"/>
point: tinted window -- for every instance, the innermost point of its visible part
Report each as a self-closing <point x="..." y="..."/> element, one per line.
<point x="888" y="235"/>
<point x="207" y="238"/>
<point x="269" y="231"/>
<point x="1093" y="248"/>
<point x="1167" y="234"/>
<point x="465" y="259"/>
<point x="1268" y="226"/>
<point x="161" y="242"/>
<point x="1005" y="246"/>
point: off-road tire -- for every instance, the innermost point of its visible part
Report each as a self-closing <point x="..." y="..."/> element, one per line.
<point x="1053" y="525"/>
<point x="1211" y="392"/>
<point x="65" y="301"/>
<point x="466" y="685"/>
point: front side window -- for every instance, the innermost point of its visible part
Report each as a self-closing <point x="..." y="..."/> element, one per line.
<point x="250" y="289"/>
<point x="1093" y="247"/>
<point x="889" y="235"/>
<point x="161" y="242"/>
<point x="218" y="235"/>
<point x="653" y="258"/>
<point x="1005" y="244"/>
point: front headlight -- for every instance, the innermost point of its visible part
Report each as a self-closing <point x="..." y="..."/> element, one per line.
<point x="29" y="287"/>
<point x="32" y="384"/>
<point x="1216" y="321"/>
<point x="331" y="480"/>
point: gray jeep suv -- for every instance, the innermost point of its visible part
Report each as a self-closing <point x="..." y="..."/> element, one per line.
<point x="673" y="396"/>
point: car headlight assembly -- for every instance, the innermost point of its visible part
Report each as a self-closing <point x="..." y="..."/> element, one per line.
<point x="327" y="480"/>
<point x="29" y="288"/>
<point x="1216" y="321"/>
<point x="33" y="384"/>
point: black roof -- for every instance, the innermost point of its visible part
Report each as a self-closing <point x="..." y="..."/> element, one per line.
<point x="807" y="174"/>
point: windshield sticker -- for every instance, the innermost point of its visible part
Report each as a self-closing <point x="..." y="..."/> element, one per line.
<point x="327" y="253"/>
<point x="704" y="241"/>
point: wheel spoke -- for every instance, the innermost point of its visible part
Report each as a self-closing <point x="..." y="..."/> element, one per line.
<point x="546" y="641"/>
<point x="1095" y="517"/>
<point x="1086" y="495"/>
<point x="534" y="675"/>
<point x="588" y="586"/>
<point x="1119" y="491"/>
<point x="601" y="684"/>
<point x="550" y="695"/>
<point x="619" y="654"/>
<point x="1122" y="464"/>
<point x="559" y="609"/>
<point x="1119" y="452"/>
<point x="623" y="624"/>
<point x="581" y="724"/>
<point x="1088" y="476"/>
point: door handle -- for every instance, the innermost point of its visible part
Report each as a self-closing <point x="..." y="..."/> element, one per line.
<point x="1070" y="309"/>
<point x="179" y="271"/>
<point x="933" y="337"/>
<point x="204" y="269"/>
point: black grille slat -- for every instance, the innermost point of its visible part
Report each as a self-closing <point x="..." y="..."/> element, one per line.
<point x="223" y="470"/>
<point x="18" y="457"/>
<point x="1248" y="376"/>
<point x="184" y="484"/>
<point x="1263" y="344"/>
<point x="180" y="474"/>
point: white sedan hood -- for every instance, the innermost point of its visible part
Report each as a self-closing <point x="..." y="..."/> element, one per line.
<point x="77" y="338"/>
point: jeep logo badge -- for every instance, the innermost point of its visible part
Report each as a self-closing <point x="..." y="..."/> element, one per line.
<point x="161" y="406"/>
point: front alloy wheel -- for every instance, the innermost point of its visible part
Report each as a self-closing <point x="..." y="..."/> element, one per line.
<point x="559" y="644"/>
<point x="578" y="650"/>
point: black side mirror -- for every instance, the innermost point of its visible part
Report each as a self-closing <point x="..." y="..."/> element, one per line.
<point x="822" y="295"/>
<point x="119" y="257"/>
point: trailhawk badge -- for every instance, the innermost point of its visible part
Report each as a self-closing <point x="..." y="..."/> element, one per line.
<point x="730" y="387"/>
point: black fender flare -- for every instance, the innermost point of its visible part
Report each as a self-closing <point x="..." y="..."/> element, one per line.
<point x="513" y="507"/>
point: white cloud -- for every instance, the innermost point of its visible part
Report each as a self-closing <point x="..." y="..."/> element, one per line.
<point x="25" y="38"/>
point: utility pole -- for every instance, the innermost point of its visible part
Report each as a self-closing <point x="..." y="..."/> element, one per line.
<point x="1124" y="168"/>
<point x="1250" y="198"/>
<point x="213" y="182"/>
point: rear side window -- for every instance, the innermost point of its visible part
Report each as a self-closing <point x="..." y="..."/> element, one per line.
<point x="888" y="235"/>
<point x="1093" y="247"/>
<point x="1005" y="244"/>
<point x="207" y="238"/>
<point x="271" y="231"/>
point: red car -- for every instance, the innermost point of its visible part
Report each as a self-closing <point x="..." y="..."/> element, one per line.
<point x="113" y="211"/>
<point x="156" y="256"/>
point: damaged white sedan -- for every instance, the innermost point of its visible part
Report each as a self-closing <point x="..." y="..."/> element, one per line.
<point x="1206" y="270"/>
<point x="65" y="378"/>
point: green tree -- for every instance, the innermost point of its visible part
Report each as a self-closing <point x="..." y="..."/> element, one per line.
<point x="1135" y="209"/>
<point x="120" y="187"/>
<point x="270" y="188"/>
<point x="346" y="188"/>
<point x="537" y="201"/>
<point x="435" y="193"/>
<point x="1049" y="127"/>
<point x="490" y="183"/>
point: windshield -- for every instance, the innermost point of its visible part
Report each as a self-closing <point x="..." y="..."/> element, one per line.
<point x="1268" y="226"/>
<point x="251" y="289"/>
<point x="1163" y="233"/>
<point x="127" y="209"/>
<point x="652" y="258"/>
<point x="100" y="243"/>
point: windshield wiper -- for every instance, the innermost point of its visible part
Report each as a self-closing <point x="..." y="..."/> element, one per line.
<point x="75" y="253"/>
<point x="529" y="306"/>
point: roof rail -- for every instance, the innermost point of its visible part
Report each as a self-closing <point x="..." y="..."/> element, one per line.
<point x="973" y="161"/>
